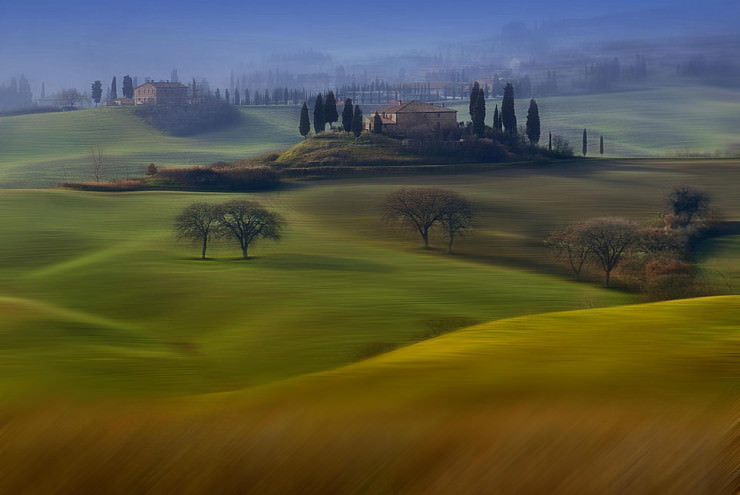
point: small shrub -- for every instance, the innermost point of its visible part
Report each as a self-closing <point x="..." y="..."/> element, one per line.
<point x="151" y="170"/>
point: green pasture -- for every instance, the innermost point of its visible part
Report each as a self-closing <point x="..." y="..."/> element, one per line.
<point x="98" y="296"/>
<point x="671" y="121"/>
<point x="683" y="350"/>
<point x="45" y="149"/>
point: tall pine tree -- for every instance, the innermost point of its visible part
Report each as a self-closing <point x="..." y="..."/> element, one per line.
<point x="97" y="92"/>
<point x="508" y="116"/>
<point x="601" y="145"/>
<point x="496" y="120"/>
<point x="473" y="105"/>
<point x="479" y="114"/>
<point x="113" y="90"/>
<point x="319" y="124"/>
<point x="377" y="124"/>
<point x="330" y="109"/>
<point x="128" y="87"/>
<point x="585" y="142"/>
<point x="305" y="125"/>
<point x="533" y="122"/>
<point x="347" y="115"/>
<point x="357" y="121"/>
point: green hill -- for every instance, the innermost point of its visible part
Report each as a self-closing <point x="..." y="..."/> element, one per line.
<point x="325" y="296"/>
<point x="655" y="122"/>
<point x="45" y="149"/>
<point x="577" y="402"/>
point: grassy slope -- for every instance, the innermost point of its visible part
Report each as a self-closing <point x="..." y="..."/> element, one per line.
<point x="655" y="122"/>
<point x="101" y="299"/>
<point x="340" y="286"/>
<point x="44" y="149"/>
<point x="634" y="398"/>
<point x="340" y="149"/>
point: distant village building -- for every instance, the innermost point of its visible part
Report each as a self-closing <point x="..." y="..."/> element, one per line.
<point x="414" y="118"/>
<point x="161" y="93"/>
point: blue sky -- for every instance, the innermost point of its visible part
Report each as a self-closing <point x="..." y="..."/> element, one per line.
<point x="74" y="40"/>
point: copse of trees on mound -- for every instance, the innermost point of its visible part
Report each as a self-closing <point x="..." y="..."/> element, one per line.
<point x="474" y="141"/>
<point x="656" y="259"/>
<point x="187" y="120"/>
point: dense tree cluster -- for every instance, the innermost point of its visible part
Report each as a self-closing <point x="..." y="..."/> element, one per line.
<point x="188" y="120"/>
<point x="15" y="95"/>
<point x="325" y="112"/>
<point x="654" y="253"/>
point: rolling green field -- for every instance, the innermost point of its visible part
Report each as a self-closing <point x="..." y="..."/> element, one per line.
<point x="98" y="294"/>
<point x="42" y="150"/>
<point x="345" y="358"/>
<point x="672" y="121"/>
<point x="595" y="401"/>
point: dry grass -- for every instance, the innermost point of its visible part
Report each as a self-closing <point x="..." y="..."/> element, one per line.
<point x="526" y="447"/>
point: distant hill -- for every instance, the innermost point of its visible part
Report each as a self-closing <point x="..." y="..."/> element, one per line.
<point x="45" y="149"/>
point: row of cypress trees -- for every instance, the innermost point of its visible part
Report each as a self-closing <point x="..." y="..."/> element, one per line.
<point x="504" y="121"/>
<point x="325" y="112"/>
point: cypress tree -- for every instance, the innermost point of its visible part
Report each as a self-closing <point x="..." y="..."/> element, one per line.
<point x="218" y="94"/>
<point x="549" y="141"/>
<point x="357" y="121"/>
<point x="113" y="90"/>
<point x="479" y="120"/>
<point x="601" y="145"/>
<point x="585" y="142"/>
<point x="246" y="97"/>
<point x="305" y="125"/>
<point x="330" y="109"/>
<point x="533" y="122"/>
<point x="508" y="115"/>
<point x="377" y="124"/>
<point x="496" y="120"/>
<point x="347" y="115"/>
<point x="473" y="105"/>
<point x="237" y="97"/>
<point x="97" y="92"/>
<point x="319" y="124"/>
<point x="228" y="97"/>
<point x="128" y="87"/>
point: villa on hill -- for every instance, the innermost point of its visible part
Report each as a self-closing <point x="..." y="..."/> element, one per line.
<point x="414" y="118"/>
<point x="161" y="93"/>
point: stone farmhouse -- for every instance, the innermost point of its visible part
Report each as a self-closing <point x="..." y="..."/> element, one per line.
<point x="161" y="93"/>
<point x="414" y="119"/>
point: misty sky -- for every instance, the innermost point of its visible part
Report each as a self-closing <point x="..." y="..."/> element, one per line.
<point x="68" y="42"/>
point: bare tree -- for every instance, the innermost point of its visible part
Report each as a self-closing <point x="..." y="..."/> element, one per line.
<point x="608" y="240"/>
<point x="418" y="208"/>
<point x="96" y="155"/>
<point x="456" y="216"/>
<point x="197" y="223"/>
<point x="571" y="244"/>
<point x="247" y="221"/>
<point x="69" y="98"/>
